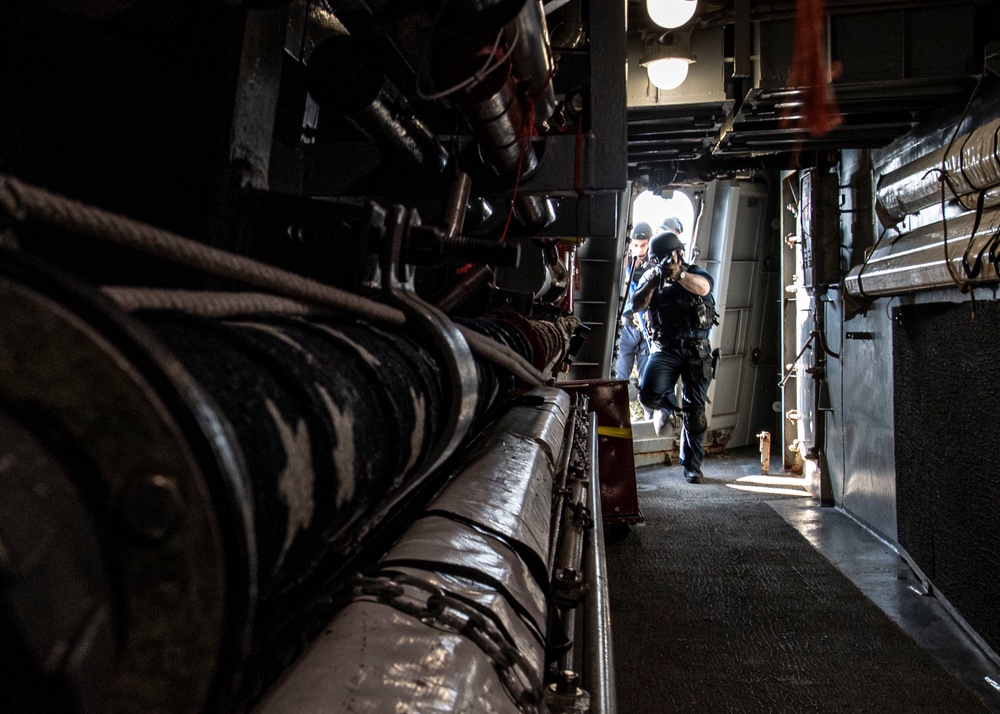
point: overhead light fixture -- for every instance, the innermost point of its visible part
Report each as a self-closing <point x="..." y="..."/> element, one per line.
<point x="671" y="13"/>
<point x="668" y="59"/>
<point x="668" y="72"/>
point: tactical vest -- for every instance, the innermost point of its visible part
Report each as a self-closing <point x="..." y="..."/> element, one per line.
<point x="678" y="312"/>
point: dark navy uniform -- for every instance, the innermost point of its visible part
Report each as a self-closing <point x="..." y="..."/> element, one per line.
<point x="679" y="323"/>
<point x="633" y="347"/>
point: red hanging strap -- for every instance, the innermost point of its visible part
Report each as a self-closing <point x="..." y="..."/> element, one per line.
<point x="819" y="112"/>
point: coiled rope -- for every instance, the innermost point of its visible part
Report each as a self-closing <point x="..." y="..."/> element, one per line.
<point x="22" y="201"/>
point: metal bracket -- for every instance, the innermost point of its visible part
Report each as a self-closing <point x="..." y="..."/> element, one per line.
<point x="397" y="285"/>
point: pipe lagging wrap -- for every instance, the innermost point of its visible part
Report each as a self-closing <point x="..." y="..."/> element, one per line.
<point x="453" y="617"/>
<point x="970" y="164"/>
<point x="334" y="420"/>
<point x="916" y="260"/>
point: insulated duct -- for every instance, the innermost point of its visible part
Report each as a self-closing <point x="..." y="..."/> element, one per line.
<point x="455" y="616"/>
<point x="971" y="165"/>
<point x="916" y="260"/>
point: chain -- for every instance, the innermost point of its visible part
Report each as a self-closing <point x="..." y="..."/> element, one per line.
<point x="581" y="438"/>
<point x="443" y="610"/>
<point x="582" y="515"/>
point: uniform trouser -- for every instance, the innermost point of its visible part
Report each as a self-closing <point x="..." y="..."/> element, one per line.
<point x="656" y="391"/>
<point x="632" y="348"/>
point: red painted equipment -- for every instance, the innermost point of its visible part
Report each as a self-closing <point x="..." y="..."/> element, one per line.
<point x="616" y="462"/>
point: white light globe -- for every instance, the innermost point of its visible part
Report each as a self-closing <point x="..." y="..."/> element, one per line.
<point x="671" y="13"/>
<point x="668" y="73"/>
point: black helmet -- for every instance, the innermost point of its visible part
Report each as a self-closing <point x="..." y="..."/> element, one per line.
<point x="642" y="231"/>
<point x="672" y="223"/>
<point x="663" y="244"/>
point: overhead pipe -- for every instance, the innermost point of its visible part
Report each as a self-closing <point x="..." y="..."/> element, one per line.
<point x="967" y="165"/>
<point x="497" y="119"/>
<point x="345" y="74"/>
<point x="570" y="33"/>
<point x="525" y="32"/>
<point x="916" y="261"/>
<point x="531" y="56"/>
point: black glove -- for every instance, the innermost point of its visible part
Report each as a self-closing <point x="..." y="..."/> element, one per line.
<point x="648" y="277"/>
<point x="672" y="270"/>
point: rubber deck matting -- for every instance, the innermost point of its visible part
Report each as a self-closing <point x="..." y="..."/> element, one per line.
<point x="719" y="605"/>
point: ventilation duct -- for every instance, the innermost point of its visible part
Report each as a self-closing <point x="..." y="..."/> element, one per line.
<point x="969" y="164"/>
<point x="917" y="260"/>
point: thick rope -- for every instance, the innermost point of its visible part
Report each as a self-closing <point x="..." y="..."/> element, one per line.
<point x="222" y="305"/>
<point x="503" y="356"/>
<point x="22" y="201"/>
<point x="210" y="303"/>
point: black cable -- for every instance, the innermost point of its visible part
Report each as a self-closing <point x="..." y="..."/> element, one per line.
<point x="788" y="373"/>
<point x="868" y="257"/>
<point x="825" y="346"/>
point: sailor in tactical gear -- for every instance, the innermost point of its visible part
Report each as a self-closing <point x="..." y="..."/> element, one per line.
<point x="633" y="348"/>
<point x="672" y="224"/>
<point x="680" y="310"/>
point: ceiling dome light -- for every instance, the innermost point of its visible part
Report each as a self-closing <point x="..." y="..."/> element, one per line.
<point x="668" y="72"/>
<point x="671" y="13"/>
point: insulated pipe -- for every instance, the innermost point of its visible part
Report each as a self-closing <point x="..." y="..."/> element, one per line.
<point x="916" y="260"/>
<point x="531" y="54"/>
<point x="457" y="204"/>
<point x="990" y="200"/>
<point x="599" y="666"/>
<point x="971" y="165"/>
<point x="452" y="586"/>
<point x="535" y="211"/>
<point x="499" y="125"/>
